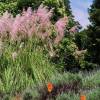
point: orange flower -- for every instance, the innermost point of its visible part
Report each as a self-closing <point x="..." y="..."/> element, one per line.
<point x="82" y="97"/>
<point x="50" y="87"/>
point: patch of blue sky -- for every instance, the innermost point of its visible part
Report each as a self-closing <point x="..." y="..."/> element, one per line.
<point x="80" y="11"/>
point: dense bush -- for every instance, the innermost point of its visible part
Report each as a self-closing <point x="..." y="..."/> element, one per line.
<point x="10" y="6"/>
<point x="94" y="33"/>
<point x="7" y="0"/>
<point x="59" y="7"/>
<point x="82" y="40"/>
<point x="28" y="3"/>
<point x="65" y="60"/>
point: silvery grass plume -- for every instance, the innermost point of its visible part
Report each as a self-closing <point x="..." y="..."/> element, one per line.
<point x="60" y="27"/>
<point x="30" y="23"/>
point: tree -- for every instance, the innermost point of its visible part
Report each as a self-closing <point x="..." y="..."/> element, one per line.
<point x="94" y="33"/>
<point x="61" y="7"/>
<point x="28" y="3"/>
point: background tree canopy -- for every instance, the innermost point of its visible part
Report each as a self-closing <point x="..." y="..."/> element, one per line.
<point x="94" y="33"/>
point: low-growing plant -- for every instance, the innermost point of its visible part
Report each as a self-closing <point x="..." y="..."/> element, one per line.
<point x="68" y="96"/>
<point x="93" y="94"/>
<point x="92" y="80"/>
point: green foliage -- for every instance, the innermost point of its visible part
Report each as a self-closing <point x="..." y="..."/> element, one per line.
<point x="14" y="80"/>
<point x="65" y="59"/>
<point x="29" y="66"/>
<point x="93" y="32"/>
<point x="7" y="0"/>
<point x="26" y="68"/>
<point x="68" y="96"/>
<point x="28" y="3"/>
<point x="92" y="80"/>
<point x="91" y="93"/>
<point x="59" y="7"/>
<point x="94" y="12"/>
<point x="94" y="94"/>
<point x="81" y="40"/>
<point x="65" y="78"/>
<point x="58" y="81"/>
<point x="88" y="84"/>
<point x="11" y="7"/>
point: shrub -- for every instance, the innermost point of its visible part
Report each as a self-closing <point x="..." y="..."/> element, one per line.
<point x="82" y="39"/>
<point x="65" y="60"/>
<point x="28" y="3"/>
<point x="10" y="6"/>
<point x="59" y="7"/>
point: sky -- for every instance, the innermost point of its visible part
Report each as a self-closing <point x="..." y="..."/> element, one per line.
<point x="80" y="11"/>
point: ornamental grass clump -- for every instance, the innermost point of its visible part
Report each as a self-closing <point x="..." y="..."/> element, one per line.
<point x="30" y="23"/>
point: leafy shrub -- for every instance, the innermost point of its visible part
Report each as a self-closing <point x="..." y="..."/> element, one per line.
<point x="10" y="6"/>
<point x="65" y="60"/>
<point x="59" y="7"/>
<point x="81" y="40"/>
<point x="28" y="3"/>
<point x="7" y="0"/>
